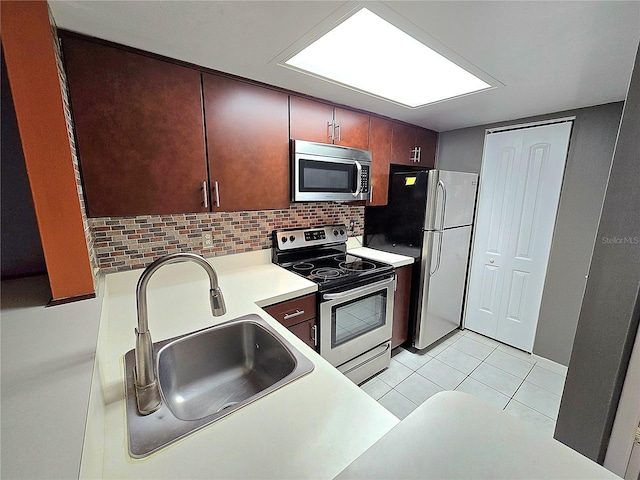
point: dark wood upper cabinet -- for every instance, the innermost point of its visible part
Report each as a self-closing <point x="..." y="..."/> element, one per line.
<point x="139" y="131"/>
<point x="247" y="130"/>
<point x="318" y="122"/>
<point x="427" y="141"/>
<point x="380" y="146"/>
<point x="149" y="144"/>
<point x="353" y="129"/>
<point x="403" y="143"/>
<point x="310" y="120"/>
<point x="413" y="145"/>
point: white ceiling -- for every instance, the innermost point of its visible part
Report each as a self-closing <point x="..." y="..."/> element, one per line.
<point x="547" y="56"/>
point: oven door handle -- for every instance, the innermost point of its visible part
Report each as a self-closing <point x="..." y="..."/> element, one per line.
<point x="356" y="291"/>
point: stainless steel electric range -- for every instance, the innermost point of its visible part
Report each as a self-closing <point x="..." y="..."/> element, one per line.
<point x="354" y="300"/>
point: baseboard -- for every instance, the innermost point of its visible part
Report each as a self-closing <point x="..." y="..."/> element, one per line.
<point x="61" y="301"/>
<point x="550" y="365"/>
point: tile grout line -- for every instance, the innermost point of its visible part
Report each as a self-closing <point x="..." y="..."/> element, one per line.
<point x="467" y="375"/>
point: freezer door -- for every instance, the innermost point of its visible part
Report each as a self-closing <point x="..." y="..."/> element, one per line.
<point x="454" y="196"/>
<point x="443" y="284"/>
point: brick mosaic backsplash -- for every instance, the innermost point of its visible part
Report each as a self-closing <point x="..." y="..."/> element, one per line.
<point x="126" y="243"/>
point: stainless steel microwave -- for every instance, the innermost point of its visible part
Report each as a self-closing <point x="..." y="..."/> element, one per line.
<point x="323" y="173"/>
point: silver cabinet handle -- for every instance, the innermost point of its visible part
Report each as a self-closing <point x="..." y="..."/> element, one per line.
<point x="314" y="335"/>
<point x="358" y="178"/>
<point x="217" y="194"/>
<point x="205" y="198"/>
<point x="297" y="313"/>
<point x="337" y="129"/>
<point x="419" y="154"/>
<point x="330" y="131"/>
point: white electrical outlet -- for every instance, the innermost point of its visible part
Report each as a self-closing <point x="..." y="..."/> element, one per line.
<point x="207" y="239"/>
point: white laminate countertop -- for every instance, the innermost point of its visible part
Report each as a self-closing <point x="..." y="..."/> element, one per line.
<point x="311" y="428"/>
<point x="354" y="246"/>
<point x="455" y="435"/>
<point x="46" y="369"/>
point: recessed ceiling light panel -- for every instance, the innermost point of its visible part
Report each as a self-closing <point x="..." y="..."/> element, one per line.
<point x="369" y="54"/>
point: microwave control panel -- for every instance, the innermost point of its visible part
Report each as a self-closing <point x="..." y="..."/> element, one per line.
<point x="364" y="179"/>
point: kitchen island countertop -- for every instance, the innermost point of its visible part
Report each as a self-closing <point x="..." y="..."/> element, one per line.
<point x="456" y="435"/>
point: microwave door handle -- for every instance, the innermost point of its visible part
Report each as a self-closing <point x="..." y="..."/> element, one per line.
<point x="358" y="179"/>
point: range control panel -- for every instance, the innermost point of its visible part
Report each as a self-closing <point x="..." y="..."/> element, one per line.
<point x="309" y="237"/>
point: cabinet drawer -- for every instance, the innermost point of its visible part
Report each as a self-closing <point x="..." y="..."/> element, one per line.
<point x="293" y="311"/>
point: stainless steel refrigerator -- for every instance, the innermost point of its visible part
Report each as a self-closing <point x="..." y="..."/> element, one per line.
<point x="429" y="216"/>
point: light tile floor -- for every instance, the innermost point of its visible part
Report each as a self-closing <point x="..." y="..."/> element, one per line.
<point x="513" y="380"/>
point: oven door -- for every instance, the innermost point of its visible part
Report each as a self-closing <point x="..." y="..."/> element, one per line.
<point x="355" y="320"/>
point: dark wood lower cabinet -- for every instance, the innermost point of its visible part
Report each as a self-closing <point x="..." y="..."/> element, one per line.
<point x="401" y="306"/>
<point x="299" y="316"/>
<point x="306" y="331"/>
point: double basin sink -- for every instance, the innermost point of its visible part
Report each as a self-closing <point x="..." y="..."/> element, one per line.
<point x="208" y="374"/>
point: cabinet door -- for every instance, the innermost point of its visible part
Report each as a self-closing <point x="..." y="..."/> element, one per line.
<point x="310" y="120"/>
<point x="401" y="306"/>
<point x="403" y="143"/>
<point x="306" y="331"/>
<point x="353" y="129"/>
<point x="248" y="144"/>
<point x="139" y="131"/>
<point x="380" y="146"/>
<point x="427" y="141"/>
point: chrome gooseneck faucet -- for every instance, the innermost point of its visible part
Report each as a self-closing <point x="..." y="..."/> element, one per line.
<point x="146" y="383"/>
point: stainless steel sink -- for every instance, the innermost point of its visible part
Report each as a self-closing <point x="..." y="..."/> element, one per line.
<point x="208" y="374"/>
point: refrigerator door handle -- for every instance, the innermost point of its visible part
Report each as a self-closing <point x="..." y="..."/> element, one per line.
<point x="443" y="206"/>
<point x="439" y="254"/>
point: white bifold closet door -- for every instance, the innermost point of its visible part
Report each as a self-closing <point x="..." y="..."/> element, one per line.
<point x="520" y="184"/>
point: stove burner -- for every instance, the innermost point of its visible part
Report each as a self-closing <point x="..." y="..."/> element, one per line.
<point x="325" y="273"/>
<point x="357" y="265"/>
<point x="303" y="266"/>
